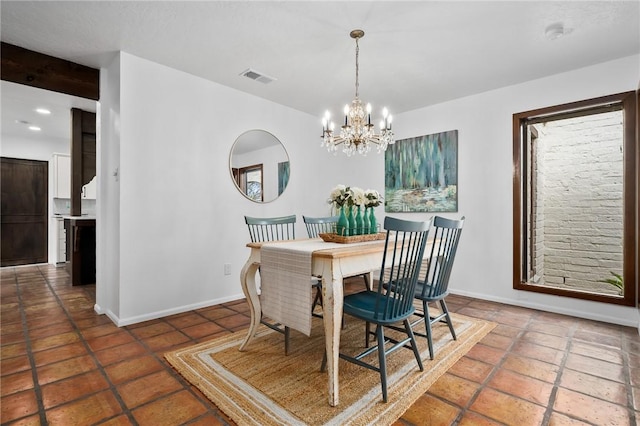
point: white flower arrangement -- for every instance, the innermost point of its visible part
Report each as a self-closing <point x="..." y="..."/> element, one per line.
<point x="343" y="195"/>
<point x="340" y="195"/>
<point x="372" y="198"/>
<point x="357" y="196"/>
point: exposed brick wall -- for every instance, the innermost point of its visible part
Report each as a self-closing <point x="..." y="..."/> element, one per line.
<point x="580" y="201"/>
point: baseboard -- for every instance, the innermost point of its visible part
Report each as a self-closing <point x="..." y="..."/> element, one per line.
<point x="553" y="309"/>
<point x="121" y="322"/>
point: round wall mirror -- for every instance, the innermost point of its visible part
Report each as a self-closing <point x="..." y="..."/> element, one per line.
<point x="259" y="166"/>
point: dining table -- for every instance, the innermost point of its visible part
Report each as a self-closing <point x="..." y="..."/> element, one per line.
<point x="332" y="262"/>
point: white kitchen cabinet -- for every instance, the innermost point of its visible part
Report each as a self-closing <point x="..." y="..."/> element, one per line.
<point x="61" y="246"/>
<point x="89" y="190"/>
<point x="61" y="175"/>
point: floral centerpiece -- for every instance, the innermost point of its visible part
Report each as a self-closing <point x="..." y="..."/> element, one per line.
<point x="339" y="196"/>
<point x="372" y="198"/>
<point x="350" y="201"/>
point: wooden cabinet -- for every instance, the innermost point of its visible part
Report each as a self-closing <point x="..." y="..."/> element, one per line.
<point x="81" y="250"/>
<point x="61" y="175"/>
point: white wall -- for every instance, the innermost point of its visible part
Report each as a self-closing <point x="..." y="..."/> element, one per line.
<point x="180" y="215"/>
<point x="173" y="220"/>
<point x="483" y="266"/>
<point x="108" y="193"/>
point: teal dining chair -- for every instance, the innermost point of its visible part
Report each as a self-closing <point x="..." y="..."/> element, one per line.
<point x="316" y="226"/>
<point x="392" y="302"/>
<point x="433" y="285"/>
<point x="271" y="228"/>
<point x="263" y="229"/>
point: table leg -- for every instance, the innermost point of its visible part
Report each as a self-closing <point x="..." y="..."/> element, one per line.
<point x="248" y="281"/>
<point x="332" y="302"/>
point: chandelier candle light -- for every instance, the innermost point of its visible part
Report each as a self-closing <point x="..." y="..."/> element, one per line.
<point x="357" y="134"/>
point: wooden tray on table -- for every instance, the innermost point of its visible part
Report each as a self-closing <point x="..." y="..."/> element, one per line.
<point x="335" y="238"/>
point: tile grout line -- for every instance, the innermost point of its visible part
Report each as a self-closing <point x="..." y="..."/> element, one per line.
<point x="627" y="378"/>
<point x="210" y="407"/>
<point x="563" y="368"/>
<point x="91" y="353"/>
<point x="465" y="409"/>
<point x="34" y="373"/>
<point x="556" y="383"/>
<point x="495" y="368"/>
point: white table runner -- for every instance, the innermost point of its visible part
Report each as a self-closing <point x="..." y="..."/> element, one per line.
<point x="285" y="274"/>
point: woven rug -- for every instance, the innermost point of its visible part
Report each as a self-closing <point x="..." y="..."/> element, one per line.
<point x="262" y="386"/>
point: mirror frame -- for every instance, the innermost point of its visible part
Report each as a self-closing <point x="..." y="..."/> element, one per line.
<point x="235" y="171"/>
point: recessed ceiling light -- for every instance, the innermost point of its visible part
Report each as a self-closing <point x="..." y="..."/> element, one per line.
<point x="35" y="128"/>
<point x="43" y="111"/>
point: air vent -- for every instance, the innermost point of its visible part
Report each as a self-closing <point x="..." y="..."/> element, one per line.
<point x="257" y="76"/>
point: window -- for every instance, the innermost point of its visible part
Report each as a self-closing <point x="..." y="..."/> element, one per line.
<point x="575" y="199"/>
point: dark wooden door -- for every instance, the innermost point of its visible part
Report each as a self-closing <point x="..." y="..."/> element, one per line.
<point x="23" y="211"/>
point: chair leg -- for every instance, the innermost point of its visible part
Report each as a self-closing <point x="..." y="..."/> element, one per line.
<point x="365" y="277"/>
<point x="323" y="366"/>
<point x="367" y="333"/>
<point x="382" y="359"/>
<point x="317" y="301"/>
<point x="287" y="334"/>
<point x="427" y="325"/>
<point x="443" y="304"/>
<point x="414" y="344"/>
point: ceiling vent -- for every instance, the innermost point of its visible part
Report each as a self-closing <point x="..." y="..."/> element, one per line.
<point x="257" y="76"/>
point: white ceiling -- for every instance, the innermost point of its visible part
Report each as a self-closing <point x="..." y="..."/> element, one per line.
<point x="19" y="104"/>
<point x="414" y="53"/>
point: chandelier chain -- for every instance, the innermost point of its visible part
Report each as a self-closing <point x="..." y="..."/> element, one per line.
<point x="357" y="68"/>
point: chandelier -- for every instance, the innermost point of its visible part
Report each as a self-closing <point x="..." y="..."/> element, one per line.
<point x="357" y="134"/>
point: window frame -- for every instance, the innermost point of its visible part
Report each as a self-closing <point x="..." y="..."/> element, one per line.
<point x="631" y="183"/>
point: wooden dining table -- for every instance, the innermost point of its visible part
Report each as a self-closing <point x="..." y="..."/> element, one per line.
<point x="333" y="264"/>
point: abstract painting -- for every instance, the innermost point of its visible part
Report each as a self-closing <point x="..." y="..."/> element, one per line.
<point x="421" y="174"/>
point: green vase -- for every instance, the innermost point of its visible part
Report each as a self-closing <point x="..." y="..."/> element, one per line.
<point x="351" y="230"/>
<point x="366" y="221"/>
<point x="343" y="224"/>
<point x="359" y="222"/>
<point x="373" y="225"/>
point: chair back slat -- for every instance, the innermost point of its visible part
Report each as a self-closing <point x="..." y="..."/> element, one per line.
<point x="318" y="225"/>
<point x="446" y="234"/>
<point x="271" y="228"/>
<point x="404" y="248"/>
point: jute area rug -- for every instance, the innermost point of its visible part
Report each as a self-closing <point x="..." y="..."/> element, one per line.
<point x="262" y="386"/>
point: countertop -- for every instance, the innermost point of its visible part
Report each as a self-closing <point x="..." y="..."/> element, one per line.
<point x="82" y="217"/>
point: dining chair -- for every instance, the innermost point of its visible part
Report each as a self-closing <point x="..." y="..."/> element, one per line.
<point x="433" y="284"/>
<point x="271" y="228"/>
<point x="315" y="226"/>
<point x="392" y="302"/>
<point x="263" y="229"/>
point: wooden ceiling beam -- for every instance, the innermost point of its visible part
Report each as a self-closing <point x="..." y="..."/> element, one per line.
<point x="19" y="65"/>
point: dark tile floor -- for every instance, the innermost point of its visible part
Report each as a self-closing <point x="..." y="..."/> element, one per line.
<point x="61" y="364"/>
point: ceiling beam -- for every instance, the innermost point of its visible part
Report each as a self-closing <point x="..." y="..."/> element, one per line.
<point x="19" y="65"/>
